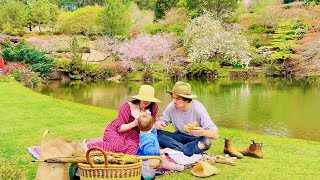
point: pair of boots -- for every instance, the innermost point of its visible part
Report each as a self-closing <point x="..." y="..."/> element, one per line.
<point x="254" y="150"/>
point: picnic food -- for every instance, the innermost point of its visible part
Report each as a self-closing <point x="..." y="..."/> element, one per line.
<point x="188" y="127"/>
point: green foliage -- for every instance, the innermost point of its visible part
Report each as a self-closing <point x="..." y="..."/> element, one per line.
<point x="104" y="72"/>
<point x="83" y="20"/>
<point x="162" y="6"/>
<point x="283" y="40"/>
<point x="42" y="13"/>
<point x="7" y="29"/>
<point x="114" y="18"/>
<point x="159" y="28"/>
<point x="203" y="70"/>
<point x="29" y="78"/>
<point x="6" y="79"/>
<point x="176" y="29"/>
<point x="174" y="21"/>
<point x="257" y="60"/>
<point x="13" y="13"/>
<point x="155" y="28"/>
<point x="160" y="76"/>
<point x="257" y="29"/>
<point x="147" y="75"/>
<point x="220" y="9"/>
<point x="22" y="52"/>
<point x="145" y="4"/>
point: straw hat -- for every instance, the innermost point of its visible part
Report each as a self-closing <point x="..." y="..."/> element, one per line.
<point x="204" y="169"/>
<point x="183" y="89"/>
<point x="146" y="93"/>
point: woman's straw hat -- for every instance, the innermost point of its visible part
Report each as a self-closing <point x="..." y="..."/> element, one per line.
<point x="204" y="169"/>
<point x="146" y="93"/>
<point x="182" y="89"/>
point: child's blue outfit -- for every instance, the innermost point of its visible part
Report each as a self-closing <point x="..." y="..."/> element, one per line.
<point x="148" y="146"/>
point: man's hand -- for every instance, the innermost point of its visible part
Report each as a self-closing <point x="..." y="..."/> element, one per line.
<point x="160" y="124"/>
<point x="198" y="131"/>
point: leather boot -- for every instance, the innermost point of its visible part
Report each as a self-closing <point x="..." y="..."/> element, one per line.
<point x="229" y="149"/>
<point x="254" y="150"/>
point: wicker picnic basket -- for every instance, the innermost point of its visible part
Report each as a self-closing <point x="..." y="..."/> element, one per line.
<point x="109" y="171"/>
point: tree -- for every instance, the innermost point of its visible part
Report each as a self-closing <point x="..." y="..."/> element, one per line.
<point x="54" y="14"/>
<point x="41" y="13"/>
<point x="218" y="8"/>
<point x="205" y="37"/>
<point x="161" y="6"/>
<point x="13" y="13"/>
<point x="145" y="4"/>
<point x="82" y="20"/>
<point x="145" y="49"/>
<point x="115" y="18"/>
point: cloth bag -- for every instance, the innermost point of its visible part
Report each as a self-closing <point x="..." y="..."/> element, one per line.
<point x="56" y="147"/>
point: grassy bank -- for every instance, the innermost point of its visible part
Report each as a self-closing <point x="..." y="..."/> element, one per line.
<point x="25" y="115"/>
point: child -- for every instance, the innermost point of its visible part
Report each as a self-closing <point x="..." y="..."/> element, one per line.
<point x="149" y="146"/>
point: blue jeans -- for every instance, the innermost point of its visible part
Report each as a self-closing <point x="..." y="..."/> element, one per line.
<point x="181" y="142"/>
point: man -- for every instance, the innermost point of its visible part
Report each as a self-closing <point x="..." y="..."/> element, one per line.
<point x="183" y="112"/>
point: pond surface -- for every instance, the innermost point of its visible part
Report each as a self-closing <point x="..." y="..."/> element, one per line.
<point x="265" y="106"/>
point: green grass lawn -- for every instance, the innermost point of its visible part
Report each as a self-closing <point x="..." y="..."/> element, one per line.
<point x="25" y="115"/>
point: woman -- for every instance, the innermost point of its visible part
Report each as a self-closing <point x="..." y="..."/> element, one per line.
<point x="122" y="134"/>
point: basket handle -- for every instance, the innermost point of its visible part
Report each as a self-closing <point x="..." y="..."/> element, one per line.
<point x="99" y="149"/>
<point x="45" y="134"/>
<point x="153" y="157"/>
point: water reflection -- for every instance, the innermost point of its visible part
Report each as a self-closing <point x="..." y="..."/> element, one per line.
<point x="266" y="106"/>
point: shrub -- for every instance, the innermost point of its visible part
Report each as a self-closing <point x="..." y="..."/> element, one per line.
<point x="24" y="53"/>
<point x="29" y="78"/>
<point x="155" y="28"/>
<point x="203" y="70"/>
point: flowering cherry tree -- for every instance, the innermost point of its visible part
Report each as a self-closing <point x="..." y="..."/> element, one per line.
<point x="205" y="37"/>
<point x="145" y="49"/>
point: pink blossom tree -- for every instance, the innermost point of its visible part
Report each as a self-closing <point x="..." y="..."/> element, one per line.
<point x="145" y="49"/>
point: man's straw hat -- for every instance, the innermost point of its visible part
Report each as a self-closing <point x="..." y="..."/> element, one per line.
<point x="204" y="169"/>
<point x="146" y="93"/>
<point x="182" y="89"/>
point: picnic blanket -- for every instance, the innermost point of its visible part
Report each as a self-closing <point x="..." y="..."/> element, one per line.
<point x="171" y="155"/>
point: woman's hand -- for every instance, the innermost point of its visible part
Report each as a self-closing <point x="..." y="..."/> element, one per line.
<point x="135" y="113"/>
<point x="160" y="124"/>
<point x="135" y="123"/>
<point x="127" y="127"/>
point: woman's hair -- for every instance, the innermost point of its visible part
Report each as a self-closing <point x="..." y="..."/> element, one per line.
<point x="137" y="101"/>
<point x="145" y="122"/>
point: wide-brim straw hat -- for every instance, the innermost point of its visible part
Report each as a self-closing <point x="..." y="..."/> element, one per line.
<point x="182" y="89"/>
<point x="204" y="169"/>
<point x="146" y="93"/>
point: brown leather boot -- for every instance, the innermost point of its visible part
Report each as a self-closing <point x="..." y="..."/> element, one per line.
<point x="254" y="150"/>
<point x="229" y="149"/>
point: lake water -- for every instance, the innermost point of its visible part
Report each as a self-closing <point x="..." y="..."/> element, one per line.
<point x="265" y="106"/>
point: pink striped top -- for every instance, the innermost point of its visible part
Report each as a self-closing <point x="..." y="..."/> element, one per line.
<point x="122" y="142"/>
